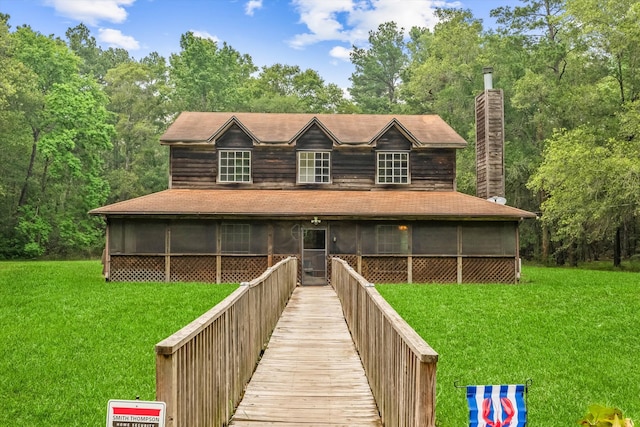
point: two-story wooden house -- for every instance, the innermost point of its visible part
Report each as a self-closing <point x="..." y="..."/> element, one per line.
<point x="248" y="189"/>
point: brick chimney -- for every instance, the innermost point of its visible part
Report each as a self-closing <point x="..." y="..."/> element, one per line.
<point x="490" y="140"/>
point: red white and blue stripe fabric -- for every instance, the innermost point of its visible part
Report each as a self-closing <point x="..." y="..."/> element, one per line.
<point x="497" y="405"/>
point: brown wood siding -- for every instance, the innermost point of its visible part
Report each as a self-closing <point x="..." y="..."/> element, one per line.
<point x="314" y="139"/>
<point x="193" y="167"/>
<point x="353" y="168"/>
<point x="234" y="138"/>
<point x="275" y="167"/>
<point x="393" y="140"/>
<point x="433" y="169"/>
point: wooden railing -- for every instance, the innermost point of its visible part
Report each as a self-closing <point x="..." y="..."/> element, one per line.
<point x="400" y="365"/>
<point x="202" y="369"/>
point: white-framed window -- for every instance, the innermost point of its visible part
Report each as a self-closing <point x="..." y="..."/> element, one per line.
<point x="236" y="238"/>
<point x="392" y="239"/>
<point x="314" y="167"/>
<point x="392" y="167"/>
<point x="234" y="166"/>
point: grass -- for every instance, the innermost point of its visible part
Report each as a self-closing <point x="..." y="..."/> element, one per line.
<point x="574" y="332"/>
<point x="72" y="341"/>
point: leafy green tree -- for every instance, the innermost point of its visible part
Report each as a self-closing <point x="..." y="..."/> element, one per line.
<point x="209" y="78"/>
<point x="591" y="72"/>
<point x="446" y="69"/>
<point x="378" y="70"/>
<point x="593" y="185"/>
<point x="610" y="28"/>
<point x="285" y="88"/>
<point x="18" y="95"/>
<point x="95" y="61"/>
<point x="444" y="76"/>
<point x="50" y="62"/>
<point x="65" y="119"/>
<point x="138" y="97"/>
<point x="76" y="138"/>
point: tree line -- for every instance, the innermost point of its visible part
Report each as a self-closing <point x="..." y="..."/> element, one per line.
<point x="79" y="125"/>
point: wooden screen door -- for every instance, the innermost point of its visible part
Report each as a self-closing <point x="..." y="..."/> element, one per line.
<point x="314" y="256"/>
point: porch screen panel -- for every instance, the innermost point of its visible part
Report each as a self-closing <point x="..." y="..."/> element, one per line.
<point x="259" y="239"/>
<point x="196" y="237"/>
<point x="343" y="239"/>
<point x="116" y="236"/>
<point x="286" y="238"/>
<point x="435" y="239"/>
<point x="368" y="238"/>
<point x="244" y="238"/>
<point x="144" y="237"/>
<point x="497" y="239"/>
<point x="236" y="238"/>
<point x="385" y="239"/>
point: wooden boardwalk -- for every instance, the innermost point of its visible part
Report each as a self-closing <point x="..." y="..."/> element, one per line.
<point x="310" y="373"/>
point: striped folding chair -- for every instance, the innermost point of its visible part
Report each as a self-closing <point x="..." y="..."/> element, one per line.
<point x="497" y="405"/>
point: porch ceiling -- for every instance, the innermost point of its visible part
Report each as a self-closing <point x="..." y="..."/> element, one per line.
<point x="321" y="203"/>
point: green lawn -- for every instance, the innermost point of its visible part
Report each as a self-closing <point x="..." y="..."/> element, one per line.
<point x="575" y="333"/>
<point x="71" y="341"/>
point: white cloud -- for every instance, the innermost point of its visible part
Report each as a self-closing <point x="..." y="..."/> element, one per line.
<point x="322" y="19"/>
<point x="341" y="53"/>
<point x="205" y="35"/>
<point x="115" y="38"/>
<point x="351" y="20"/>
<point x="92" y="12"/>
<point x="251" y="6"/>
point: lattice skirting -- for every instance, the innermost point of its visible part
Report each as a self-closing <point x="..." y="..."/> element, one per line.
<point x="193" y="269"/>
<point x="385" y="269"/>
<point x="352" y="260"/>
<point x="488" y="270"/>
<point x="242" y="269"/>
<point x="434" y="270"/>
<point x="128" y="268"/>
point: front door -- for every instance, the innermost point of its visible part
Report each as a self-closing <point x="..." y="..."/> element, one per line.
<point x="314" y="256"/>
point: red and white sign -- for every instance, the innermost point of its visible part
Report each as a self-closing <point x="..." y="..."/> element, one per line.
<point x="135" y="413"/>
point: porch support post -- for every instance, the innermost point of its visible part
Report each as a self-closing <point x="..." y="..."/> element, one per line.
<point x="218" y="251"/>
<point x="270" y="245"/>
<point x="167" y="255"/>
<point x="459" y="269"/>
<point x="517" y="260"/>
<point x="409" y="257"/>
<point x="106" y="254"/>
<point x="358" y="249"/>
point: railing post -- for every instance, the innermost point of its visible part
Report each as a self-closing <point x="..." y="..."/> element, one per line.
<point x="167" y="386"/>
<point x="425" y="398"/>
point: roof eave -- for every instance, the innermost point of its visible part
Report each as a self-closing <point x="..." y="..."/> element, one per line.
<point x="327" y="216"/>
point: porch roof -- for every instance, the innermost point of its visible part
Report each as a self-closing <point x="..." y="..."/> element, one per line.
<point x="338" y="204"/>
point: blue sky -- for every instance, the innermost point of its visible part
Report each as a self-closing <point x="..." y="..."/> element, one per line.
<point x="315" y="34"/>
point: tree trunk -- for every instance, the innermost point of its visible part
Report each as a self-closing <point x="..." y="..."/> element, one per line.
<point x="545" y="244"/>
<point x="32" y="161"/>
<point x="617" y="246"/>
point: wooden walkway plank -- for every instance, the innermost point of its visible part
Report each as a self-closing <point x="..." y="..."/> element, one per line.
<point x="310" y="374"/>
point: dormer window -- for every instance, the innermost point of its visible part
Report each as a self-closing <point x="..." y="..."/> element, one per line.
<point x="392" y="167"/>
<point x="314" y="167"/>
<point x="234" y="166"/>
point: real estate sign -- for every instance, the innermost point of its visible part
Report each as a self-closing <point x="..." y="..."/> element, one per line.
<point x="135" y="413"/>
